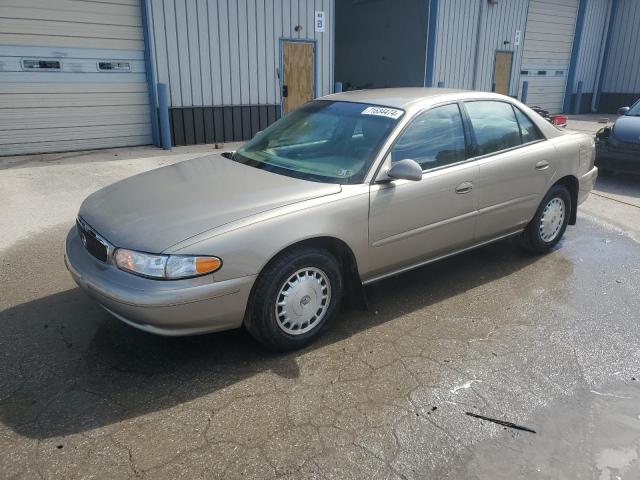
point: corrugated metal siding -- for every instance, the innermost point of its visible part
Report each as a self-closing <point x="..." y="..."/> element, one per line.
<point x="547" y="48"/>
<point x="78" y="107"/>
<point x="591" y="43"/>
<point x="502" y="21"/>
<point x="622" y="73"/>
<point x="72" y="23"/>
<point x="226" y="52"/>
<point x="457" y="40"/>
<point x="456" y="34"/>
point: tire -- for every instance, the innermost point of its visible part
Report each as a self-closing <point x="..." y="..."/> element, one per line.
<point x="309" y="283"/>
<point x="546" y="228"/>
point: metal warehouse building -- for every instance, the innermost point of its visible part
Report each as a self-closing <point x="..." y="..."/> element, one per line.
<point x="551" y="47"/>
<point x="85" y="74"/>
<point x="81" y="74"/>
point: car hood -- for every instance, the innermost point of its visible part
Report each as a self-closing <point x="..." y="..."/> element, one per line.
<point x="154" y="210"/>
<point x="627" y="129"/>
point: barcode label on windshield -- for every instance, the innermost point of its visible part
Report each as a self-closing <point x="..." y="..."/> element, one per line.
<point x="383" y="112"/>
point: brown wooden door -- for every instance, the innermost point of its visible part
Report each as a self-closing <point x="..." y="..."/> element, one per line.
<point x="297" y="78"/>
<point x="502" y="72"/>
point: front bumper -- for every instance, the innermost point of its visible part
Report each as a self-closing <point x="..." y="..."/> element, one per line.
<point x="586" y="184"/>
<point x="171" y="307"/>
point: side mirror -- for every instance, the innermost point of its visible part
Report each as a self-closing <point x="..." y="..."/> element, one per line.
<point x="406" y="169"/>
<point x="623" y="110"/>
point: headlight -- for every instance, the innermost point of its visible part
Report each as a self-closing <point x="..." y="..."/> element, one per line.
<point x="169" y="267"/>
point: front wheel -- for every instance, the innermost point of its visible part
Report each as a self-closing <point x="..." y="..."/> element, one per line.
<point x="293" y="298"/>
<point x="550" y="221"/>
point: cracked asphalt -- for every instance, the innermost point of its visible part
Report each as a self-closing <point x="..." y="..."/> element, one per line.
<point x="547" y="342"/>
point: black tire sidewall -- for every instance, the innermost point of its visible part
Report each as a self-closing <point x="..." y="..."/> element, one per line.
<point x="263" y="324"/>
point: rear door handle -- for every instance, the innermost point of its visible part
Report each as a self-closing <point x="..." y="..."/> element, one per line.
<point x="542" y="165"/>
<point x="464" y="187"/>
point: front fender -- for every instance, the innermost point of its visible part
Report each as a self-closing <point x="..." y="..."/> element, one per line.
<point x="247" y="245"/>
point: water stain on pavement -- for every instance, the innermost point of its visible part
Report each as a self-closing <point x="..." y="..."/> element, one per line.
<point x="585" y="436"/>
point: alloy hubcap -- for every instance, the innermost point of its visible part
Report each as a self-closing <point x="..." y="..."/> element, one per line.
<point x="552" y="219"/>
<point x="303" y="301"/>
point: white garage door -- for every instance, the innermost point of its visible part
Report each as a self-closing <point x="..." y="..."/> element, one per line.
<point x="72" y="76"/>
<point x="547" y="51"/>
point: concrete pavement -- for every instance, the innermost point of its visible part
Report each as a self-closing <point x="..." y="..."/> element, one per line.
<point x="550" y="343"/>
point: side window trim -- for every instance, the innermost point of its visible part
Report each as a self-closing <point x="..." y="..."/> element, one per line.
<point x="513" y="109"/>
<point x="538" y="131"/>
<point x="505" y="150"/>
<point x="465" y="128"/>
<point x="470" y="134"/>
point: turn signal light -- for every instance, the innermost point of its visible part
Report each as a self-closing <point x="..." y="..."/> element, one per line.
<point x="207" y="264"/>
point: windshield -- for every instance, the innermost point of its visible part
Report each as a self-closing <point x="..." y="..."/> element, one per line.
<point x="635" y="109"/>
<point x="323" y="141"/>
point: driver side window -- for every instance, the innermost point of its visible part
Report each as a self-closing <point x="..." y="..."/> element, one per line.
<point x="433" y="139"/>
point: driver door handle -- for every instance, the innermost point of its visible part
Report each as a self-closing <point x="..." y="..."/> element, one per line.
<point x="464" y="187"/>
<point x="542" y="165"/>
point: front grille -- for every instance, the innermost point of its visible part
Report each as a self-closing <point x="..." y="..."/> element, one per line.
<point x="92" y="243"/>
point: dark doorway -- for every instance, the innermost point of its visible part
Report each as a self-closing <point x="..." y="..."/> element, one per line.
<point x="381" y="43"/>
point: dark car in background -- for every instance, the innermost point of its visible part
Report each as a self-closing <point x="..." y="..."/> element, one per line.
<point x="618" y="146"/>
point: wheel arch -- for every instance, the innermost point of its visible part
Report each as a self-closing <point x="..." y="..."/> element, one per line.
<point x="571" y="183"/>
<point x="354" y="289"/>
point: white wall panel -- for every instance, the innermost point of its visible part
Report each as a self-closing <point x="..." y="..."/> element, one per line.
<point x="78" y="106"/>
<point x="71" y="23"/>
<point x="548" y="50"/>
<point x="227" y="52"/>
<point x="458" y="41"/>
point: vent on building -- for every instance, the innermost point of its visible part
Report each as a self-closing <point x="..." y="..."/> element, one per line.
<point x="29" y="64"/>
<point x="114" y="66"/>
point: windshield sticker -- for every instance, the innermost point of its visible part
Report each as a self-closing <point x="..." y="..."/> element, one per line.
<point x="344" y="172"/>
<point x="383" y="112"/>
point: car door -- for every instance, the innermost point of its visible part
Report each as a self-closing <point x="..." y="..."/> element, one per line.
<point x="412" y="221"/>
<point x="515" y="163"/>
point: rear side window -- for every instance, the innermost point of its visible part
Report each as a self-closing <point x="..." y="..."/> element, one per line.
<point x="434" y="138"/>
<point x="494" y="124"/>
<point x="529" y="131"/>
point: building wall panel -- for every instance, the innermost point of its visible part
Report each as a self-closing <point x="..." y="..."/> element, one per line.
<point x="456" y="34"/>
<point x="71" y="23"/>
<point x="502" y="22"/>
<point x="231" y="49"/>
<point x="623" y="63"/>
<point x="77" y="106"/>
<point x="592" y="43"/>
<point x="468" y="36"/>
<point x="547" y="53"/>
<point x="215" y="54"/>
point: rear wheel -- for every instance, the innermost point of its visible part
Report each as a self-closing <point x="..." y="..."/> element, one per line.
<point x="293" y="298"/>
<point x="550" y="221"/>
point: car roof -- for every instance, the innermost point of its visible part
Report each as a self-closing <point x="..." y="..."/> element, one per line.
<point x="412" y="99"/>
<point x="402" y="97"/>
